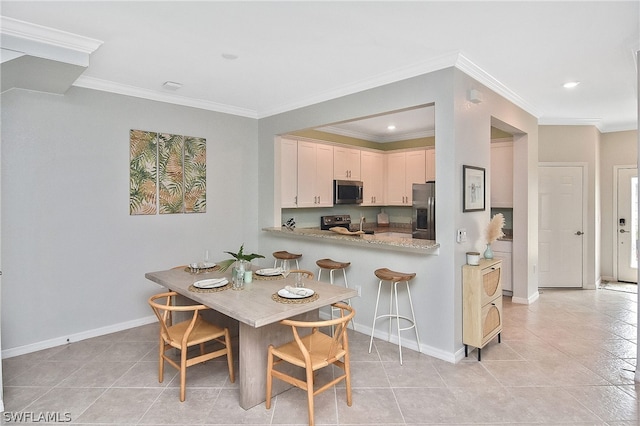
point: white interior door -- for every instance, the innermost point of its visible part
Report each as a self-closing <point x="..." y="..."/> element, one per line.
<point x="560" y="228"/>
<point x="627" y="222"/>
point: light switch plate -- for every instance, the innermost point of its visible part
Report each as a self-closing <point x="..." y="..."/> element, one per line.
<point x="461" y="237"/>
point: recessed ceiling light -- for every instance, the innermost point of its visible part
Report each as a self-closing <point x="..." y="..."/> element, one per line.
<point x="570" y="84"/>
<point x="391" y="127"/>
<point x="171" y="85"/>
<point x="229" y="56"/>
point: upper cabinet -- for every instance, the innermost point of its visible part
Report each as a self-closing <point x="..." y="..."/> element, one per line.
<point x="315" y="175"/>
<point x="430" y="164"/>
<point x="288" y="173"/>
<point x="373" y="178"/>
<point x="403" y="170"/>
<point x="346" y="163"/>
<point x="502" y="174"/>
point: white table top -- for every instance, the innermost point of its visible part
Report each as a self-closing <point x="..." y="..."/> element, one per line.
<point x="253" y="305"/>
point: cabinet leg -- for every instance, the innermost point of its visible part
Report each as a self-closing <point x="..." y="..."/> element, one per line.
<point x="466" y="353"/>
<point x="479" y="354"/>
<point x="499" y="338"/>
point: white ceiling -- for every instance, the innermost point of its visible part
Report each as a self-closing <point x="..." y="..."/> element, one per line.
<point x="292" y="54"/>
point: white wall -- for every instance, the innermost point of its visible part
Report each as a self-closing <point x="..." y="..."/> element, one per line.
<point x="73" y="258"/>
<point x="580" y="144"/>
<point x="616" y="149"/>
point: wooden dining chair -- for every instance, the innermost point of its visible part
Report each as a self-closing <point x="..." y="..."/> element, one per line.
<point x="313" y="352"/>
<point x="183" y="335"/>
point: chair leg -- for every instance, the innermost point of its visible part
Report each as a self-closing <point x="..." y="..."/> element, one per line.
<point x="161" y="361"/>
<point x="269" y="377"/>
<point x="227" y="343"/>
<point x="183" y="374"/>
<point x="310" y="396"/>
<point x="347" y="372"/>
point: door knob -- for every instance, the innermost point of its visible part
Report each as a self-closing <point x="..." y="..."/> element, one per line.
<point x="579" y="233"/>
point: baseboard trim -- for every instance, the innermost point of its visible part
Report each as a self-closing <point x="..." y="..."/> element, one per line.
<point x="406" y="342"/>
<point x="526" y="301"/>
<point x="59" y="341"/>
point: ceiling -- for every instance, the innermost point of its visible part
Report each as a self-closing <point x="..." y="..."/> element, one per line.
<point x="257" y="59"/>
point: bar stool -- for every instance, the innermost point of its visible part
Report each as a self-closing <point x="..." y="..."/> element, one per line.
<point x="387" y="275"/>
<point x="331" y="266"/>
<point x="281" y="256"/>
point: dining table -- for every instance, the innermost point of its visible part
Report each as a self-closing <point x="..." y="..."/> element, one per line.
<point x="258" y="309"/>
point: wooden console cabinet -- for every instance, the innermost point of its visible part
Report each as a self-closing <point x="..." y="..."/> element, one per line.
<point x="481" y="304"/>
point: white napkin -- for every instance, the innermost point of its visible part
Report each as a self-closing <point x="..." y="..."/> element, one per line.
<point x="209" y="283"/>
<point x="270" y="271"/>
<point x="299" y="291"/>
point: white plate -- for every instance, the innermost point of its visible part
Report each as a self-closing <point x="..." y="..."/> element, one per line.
<point x="211" y="283"/>
<point x="284" y="293"/>
<point x="269" y="272"/>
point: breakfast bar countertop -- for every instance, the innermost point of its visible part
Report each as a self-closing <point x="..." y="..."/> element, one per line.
<point x="388" y="240"/>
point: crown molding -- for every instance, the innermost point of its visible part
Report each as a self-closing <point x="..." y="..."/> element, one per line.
<point x="424" y="67"/>
<point x="47" y="43"/>
<point x="468" y="67"/>
<point x="123" y="89"/>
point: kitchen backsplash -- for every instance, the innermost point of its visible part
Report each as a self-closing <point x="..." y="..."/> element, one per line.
<point x="309" y="218"/>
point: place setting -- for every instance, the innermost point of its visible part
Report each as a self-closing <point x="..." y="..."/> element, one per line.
<point x="269" y="274"/>
<point x="295" y="294"/>
<point x="210" y="285"/>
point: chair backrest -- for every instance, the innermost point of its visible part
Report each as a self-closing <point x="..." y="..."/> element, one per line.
<point x="304" y="272"/>
<point x="339" y="338"/>
<point x="164" y="311"/>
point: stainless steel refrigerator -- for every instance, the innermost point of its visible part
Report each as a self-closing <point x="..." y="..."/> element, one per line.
<point x="424" y="210"/>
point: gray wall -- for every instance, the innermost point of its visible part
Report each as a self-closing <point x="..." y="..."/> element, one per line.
<point x="73" y="258"/>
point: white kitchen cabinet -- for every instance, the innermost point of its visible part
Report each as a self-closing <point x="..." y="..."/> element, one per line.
<point x="430" y="164"/>
<point x="403" y="170"/>
<point x="288" y="173"/>
<point x="315" y="175"/>
<point x="502" y="175"/>
<point x="346" y="163"/>
<point x="502" y="250"/>
<point x="373" y="178"/>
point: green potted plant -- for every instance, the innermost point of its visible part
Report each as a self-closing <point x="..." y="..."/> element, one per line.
<point x="239" y="257"/>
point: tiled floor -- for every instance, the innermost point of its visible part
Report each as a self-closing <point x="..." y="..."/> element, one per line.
<point x="567" y="359"/>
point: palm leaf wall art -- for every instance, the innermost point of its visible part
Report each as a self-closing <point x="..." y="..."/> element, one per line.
<point x="168" y="173"/>
<point x="195" y="175"/>
<point x="143" y="159"/>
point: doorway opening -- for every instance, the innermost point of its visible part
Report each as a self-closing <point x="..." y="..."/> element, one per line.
<point x="626" y="226"/>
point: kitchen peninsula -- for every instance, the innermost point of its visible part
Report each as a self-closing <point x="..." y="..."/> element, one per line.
<point x="395" y="241"/>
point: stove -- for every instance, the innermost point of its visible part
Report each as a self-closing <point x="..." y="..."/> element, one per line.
<point x="327" y="222"/>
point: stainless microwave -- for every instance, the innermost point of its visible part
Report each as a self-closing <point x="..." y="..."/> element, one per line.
<point x="347" y="192"/>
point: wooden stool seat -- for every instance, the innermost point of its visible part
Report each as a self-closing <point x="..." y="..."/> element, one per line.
<point x="283" y="255"/>
<point x="393" y="276"/>
<point x="331" y="264"/>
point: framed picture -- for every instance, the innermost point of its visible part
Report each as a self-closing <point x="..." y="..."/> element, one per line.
<point x="473" y="189"/>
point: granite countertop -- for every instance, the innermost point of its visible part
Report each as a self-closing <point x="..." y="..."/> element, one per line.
<point x="389" y="238"/>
